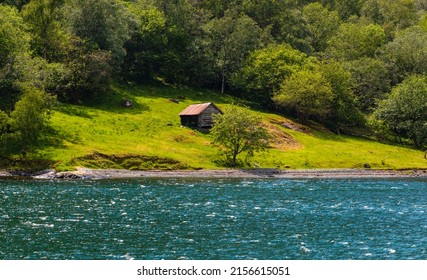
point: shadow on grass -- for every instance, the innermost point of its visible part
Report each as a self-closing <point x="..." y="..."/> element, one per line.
<point x="328" y="136"/>
<point x="74" y="111"/>
<point x="32" y="158"/>
<point x="113" y="100"/>
<point x="29" y="159"/>
<point x="27" y="165"/>
<point x="174" y="92"/>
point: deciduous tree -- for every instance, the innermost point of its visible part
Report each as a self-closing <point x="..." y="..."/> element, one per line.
<point x="307" y="93"/>
<point x="266" y="69"/>
<point x="86" y="75"/>
<point x="238" y="131"/>
<point x="404" y="112"/>
<point x="371" y="81"/>
<point x="345" y="8"/>
<point x="398" y="15"/>
<point x="229" y="41"/>
<point x="17" y="3"/>
<point x="14" y="47"/>
<point x="49" y="38"/>
<point x="356" y="40"/>
<point x="147" y="50"/>
<point x="344" y="112"/>
<point x="31" y="116"/>
<point x="406" y="54"/>
<point x="14" y="36"/>
<point x="104" y="23"/>
<point x="321" y="24"/>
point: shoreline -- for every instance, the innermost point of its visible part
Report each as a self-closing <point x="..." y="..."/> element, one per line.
<point x="93" y="174"/>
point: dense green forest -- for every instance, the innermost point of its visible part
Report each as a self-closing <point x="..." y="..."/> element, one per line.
<point x="355" y="66"/>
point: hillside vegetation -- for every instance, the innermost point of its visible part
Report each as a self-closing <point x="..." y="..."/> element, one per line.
<point x="351" y="67"/>
<point x="149" y="136"/>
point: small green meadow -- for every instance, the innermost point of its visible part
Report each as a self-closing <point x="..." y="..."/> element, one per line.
<point x="149" y="135"/>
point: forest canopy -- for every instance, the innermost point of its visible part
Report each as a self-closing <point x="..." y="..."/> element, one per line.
<point x="337" y="62"/>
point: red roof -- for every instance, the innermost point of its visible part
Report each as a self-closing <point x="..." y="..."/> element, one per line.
<point x="196" y="109"/>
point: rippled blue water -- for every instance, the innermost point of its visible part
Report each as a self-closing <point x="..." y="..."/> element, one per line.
<point x="214" y="219"/>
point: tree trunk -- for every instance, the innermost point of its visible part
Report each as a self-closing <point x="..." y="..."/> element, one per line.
<point x="234" y="159"/>
<point x="223" y="83"/>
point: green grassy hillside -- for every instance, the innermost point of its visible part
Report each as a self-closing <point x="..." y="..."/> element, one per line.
<point x="149" y="136"/>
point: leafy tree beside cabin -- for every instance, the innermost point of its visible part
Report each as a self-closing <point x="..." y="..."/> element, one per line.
<point x="239" y="131"/>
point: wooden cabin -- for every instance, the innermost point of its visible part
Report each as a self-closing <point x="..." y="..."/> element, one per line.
<point x="199" y="115"/>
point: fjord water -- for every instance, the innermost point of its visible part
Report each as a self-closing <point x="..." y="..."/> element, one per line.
<point x="214" y="219"/>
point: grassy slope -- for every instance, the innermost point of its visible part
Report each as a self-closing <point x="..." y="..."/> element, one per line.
<point x="152" y="128"/>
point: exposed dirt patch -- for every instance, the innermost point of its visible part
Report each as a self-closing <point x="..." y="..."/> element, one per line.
<point x="280" y="139"/>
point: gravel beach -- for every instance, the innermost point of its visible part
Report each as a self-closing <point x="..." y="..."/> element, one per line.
<point x="85" y="173"/>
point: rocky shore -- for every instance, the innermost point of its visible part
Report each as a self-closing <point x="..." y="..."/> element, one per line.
<point x="85" y="173"/>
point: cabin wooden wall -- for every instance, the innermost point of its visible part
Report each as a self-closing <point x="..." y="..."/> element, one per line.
<point x="205" y="118"/>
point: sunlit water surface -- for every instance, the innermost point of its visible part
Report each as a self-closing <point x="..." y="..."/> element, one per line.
<point x="214" y="219"/>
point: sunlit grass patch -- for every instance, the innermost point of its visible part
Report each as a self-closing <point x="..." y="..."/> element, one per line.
<point x="151" y="129"/>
